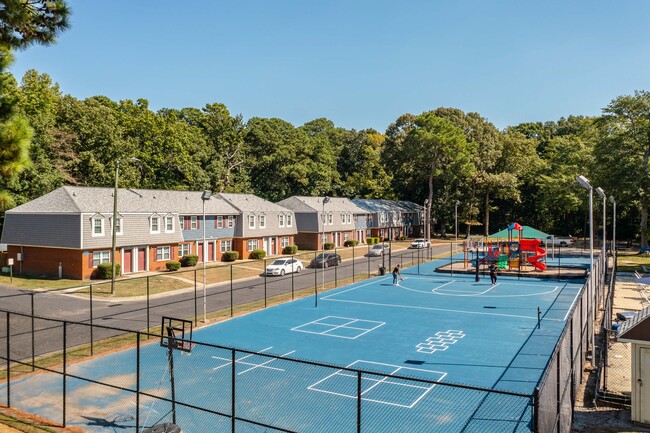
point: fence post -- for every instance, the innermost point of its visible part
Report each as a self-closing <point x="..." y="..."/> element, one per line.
<point x="137" y="381"/>
<point x="231" y="294"/>
<point x="34" y="332"/>
<point x="65" y="370"/>
<point x="558" y="388"/>
<point x="536" y="410"/>
<point x="336" y="272"/>
<point x="264" y="270"/>
<point x="148" y="311"/>
<point x="353" y="257"/>
<point x="358" y="401"/>
<point x="232" y="390"/>
<point x="418" y="261"/>
<point x="8" y="361"/>
<point x="292" y="287"/>
<point x="196" y="313"/>
<point x="451" y="257"/>
<point x="315" y="276"/>
<point x="367" y="255"/>
<point x="92" y="328"/>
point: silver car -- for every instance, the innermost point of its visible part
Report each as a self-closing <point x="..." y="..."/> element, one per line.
<point x="378" y="250"/>
<point x="420" y="243"/>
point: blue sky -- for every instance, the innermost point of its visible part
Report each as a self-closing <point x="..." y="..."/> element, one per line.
<point x="359" y="63"/>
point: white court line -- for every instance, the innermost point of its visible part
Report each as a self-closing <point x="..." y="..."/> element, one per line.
<point x="442" y="309"/>
<point x="486" y="291"/>
<point x="239" y="359"/>
<point x="264" y="363"/>
<point x="353" y="288"/>
<point x="454" y="292"/>
<point x="575" y="299"/>
<point x="333" y="327"/>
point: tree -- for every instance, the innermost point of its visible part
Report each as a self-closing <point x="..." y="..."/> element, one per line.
<point x="623" y="152"/>
<point x="27" y="22"/>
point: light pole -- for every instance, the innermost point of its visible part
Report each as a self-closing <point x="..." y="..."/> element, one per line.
<point x="584" y="182"/>
<point x="601" y="193"/>
<point x="205" y="197"/>
<point x="426" y="219"/>
<point x="117" y="173"/>
<point x="325" y="200"/>
<point x="613" y="201"/>
<point x="456" y="220"/>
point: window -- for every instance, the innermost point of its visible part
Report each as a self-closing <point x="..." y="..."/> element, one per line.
<point x="184" y="249"/>
<point x="101" y="257"/>
<point x="281" y="220"/>
<point x="226" y="246"/>
<point x="251" y="221"/>
<point x="349" y="218"/>
<point x="356" y="218"/>
<point x="262" y="221"/>
<point x="118" y="226"/>
<point x="346" y="236"/>
<point x="169" y="224"/>
<point x="330" y="219"/>
<point x="289" y="222"/>
<point x="252" y="244"/>
<point x="98" y="226"/>
<point x="163" y="253"/>
<point x="231" y="221"/>
<point x="194" y="223"/>
<point x="284" y="242"/>
<point x="219" y="221"/>
<point x="342" y="218"/>
<point x="155" y="224"/>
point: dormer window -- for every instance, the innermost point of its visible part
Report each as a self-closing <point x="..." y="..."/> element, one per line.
<point x="280" y="220"/>
<point x="231" y="221"/>
<point x="154" y="224"/>
<point x="194" y="224"/>
<point x="118" y="225"/>
<point x="169" y="224"/>
<point x="342" y="218"/>
<point x="349" y="218"/>
<point x="97" y="225"/>
<point x="289" y="222"/>
<point x="330" y="219"/>
<point x="262" y="219"/>
<point x="251" y="221"/>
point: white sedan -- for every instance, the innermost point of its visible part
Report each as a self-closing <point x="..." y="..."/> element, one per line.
<point x="420" y="243"/>
<point x="378" y="250"/>
<point x="284" y="266"/>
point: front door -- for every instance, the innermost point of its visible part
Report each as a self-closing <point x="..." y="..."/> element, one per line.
<point x="142" y="259"/>
<point x="273" y="246"/>
<point x="201" y="258"/>
<point x="265" y="246"/>
<point x="127" y="260"/>
<point x="211" y="251"/>
<point x="643" y="385"/>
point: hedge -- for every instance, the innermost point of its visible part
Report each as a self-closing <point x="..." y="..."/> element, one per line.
<point x="372" y="240"/>
<point x="328" y="246"/>
<point x="351" y="243"/>
<point x="230" y="256"/>
<point x="290" y="249"/>
<point x="173" y="265"/>
<point x="258" y="254"/>
<point x="105" y="270"/>
<point x="189" y="260"/>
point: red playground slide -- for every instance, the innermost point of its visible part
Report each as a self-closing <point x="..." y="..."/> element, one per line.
<point x="540" y="253"/>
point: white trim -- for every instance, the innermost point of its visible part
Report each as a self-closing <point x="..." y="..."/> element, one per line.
<point x="251" y="218"/>
<point x="173" y="230"/>
<point x="290" y="220"/>
<point x="151" y="230"/>
<point x="99" y="218"/>
<point x="262" y="221"/>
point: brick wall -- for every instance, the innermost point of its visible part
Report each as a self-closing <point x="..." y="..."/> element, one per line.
<point x="45" y="262"/>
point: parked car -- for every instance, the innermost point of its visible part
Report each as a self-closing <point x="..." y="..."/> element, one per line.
<point x="420" y="243"/>
<point x="284" y="266"/>
<point x="378" y="250"/>
<point x="324" y="260"/>
<point x="559" y="241"/>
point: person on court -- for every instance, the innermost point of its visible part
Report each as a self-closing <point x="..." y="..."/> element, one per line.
<point x="493" y="274"/>
<point x="396" y="275"/>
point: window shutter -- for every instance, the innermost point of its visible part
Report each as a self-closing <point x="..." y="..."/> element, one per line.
<point x="90" y="260"/>
<point x="198" y="223"/>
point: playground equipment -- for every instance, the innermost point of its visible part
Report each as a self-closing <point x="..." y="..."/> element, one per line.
<point x="513" y="253"/>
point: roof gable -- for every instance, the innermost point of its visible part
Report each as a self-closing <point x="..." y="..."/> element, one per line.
<point x="315" y="204"/>
<point x="637" y="328"/>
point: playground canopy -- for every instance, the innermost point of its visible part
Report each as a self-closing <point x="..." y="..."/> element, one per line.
<point x="527" y="233"/>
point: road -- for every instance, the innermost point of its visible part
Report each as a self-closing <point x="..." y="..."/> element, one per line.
<point x="139" y="314"/>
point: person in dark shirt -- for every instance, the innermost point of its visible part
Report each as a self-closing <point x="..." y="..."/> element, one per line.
<point x="493" y="274"/>
<point x="396" y="275"/>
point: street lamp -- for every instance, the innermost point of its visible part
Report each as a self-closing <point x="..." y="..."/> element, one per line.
<point x="117" y="171"/>
<point x="426" y="218"/>
<point x="584" y="182"/>
<point x="601" y="193"/>
<point x="325" y="200"/>
<point x="204" y="197"/>
<point x="613" y="201"/>
<point x="456" y="219"/>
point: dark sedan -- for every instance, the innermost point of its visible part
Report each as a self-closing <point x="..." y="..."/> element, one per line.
<point x="324" y="260"/>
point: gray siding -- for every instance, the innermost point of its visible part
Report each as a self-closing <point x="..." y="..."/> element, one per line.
<point x="307" y="222"/>
<point x="211" y="232"/>
<point x="49" y="230"/>
<point x="362" y="222"/>
<point x="135" y="232"/>
<point x="272" y="227"/>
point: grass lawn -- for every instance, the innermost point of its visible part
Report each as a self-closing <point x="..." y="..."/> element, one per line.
<point x="631" y="261"/>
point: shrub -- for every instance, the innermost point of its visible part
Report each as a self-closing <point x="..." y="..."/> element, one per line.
<point x="189" y="260"/>
<point x="173" y="265"/>
<point x="258" y="254"/>
<point x="230" y="256"/>
<point x="402" y="238"/>
<point x="351" y="243"/>
<point x="290" y="249"/>
<point x="105" y="270"/>
<point x="328" y="246"/>
<point x="371" y="240"/>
